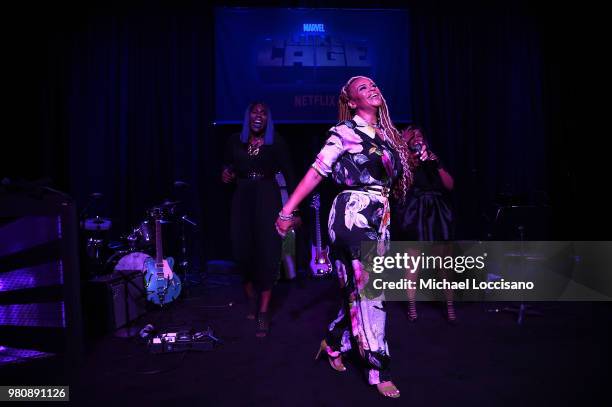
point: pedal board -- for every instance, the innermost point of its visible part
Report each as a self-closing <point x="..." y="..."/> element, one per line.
<point x="182" y="341"/>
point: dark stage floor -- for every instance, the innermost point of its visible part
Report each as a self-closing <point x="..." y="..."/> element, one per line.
<point x="486" y="359"/>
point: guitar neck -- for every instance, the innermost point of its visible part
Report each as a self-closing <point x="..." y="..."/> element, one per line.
<point x="318" y="229"/>
<point x="159" y="257"/>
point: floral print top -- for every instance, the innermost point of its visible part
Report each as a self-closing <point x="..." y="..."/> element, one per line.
<point x="355" y="156"/>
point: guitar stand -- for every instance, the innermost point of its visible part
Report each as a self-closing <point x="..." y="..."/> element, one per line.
<point x="130" y="330"/>
<point x="521" y="310"/>
<point x="150" y="330"/>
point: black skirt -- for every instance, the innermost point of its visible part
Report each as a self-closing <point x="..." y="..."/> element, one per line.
<point x="424" y="216"/>
<point x="255" y="241"/>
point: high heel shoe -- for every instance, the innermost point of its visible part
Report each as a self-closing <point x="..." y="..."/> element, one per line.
<point x="388" y="389"/>
<point x="412" y="312"/>
<point x="450" y="313"/>
<point x="263" y="325"/>
<point x="334" y="361"/>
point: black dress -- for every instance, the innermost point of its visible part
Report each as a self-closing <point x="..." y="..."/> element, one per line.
<point x="256" y="202"/>
<point x="426" y="215"/>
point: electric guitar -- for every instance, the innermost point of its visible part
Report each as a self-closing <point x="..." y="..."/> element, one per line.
<point x="162" y="285"/>
<point x="320" y="265"/>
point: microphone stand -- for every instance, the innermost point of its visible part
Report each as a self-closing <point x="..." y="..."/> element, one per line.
<point x="184" y="263"/>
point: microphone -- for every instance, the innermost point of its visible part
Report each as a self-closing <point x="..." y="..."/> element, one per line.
<point x="416" y="148"/>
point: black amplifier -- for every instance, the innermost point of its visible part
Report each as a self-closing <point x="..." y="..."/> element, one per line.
<point x="113" y="301"/>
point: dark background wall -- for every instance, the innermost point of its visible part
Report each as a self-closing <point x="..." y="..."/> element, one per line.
<point x="118" y="98"/>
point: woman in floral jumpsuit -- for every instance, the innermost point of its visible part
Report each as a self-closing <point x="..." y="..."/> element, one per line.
<point x="364" y="154"/>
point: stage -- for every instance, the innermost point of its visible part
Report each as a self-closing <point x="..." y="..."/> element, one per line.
<point x="485" y="359"/>
<point x="140" y="119"/>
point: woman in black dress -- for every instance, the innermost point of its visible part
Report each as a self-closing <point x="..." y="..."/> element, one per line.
<point x="426" y="214"/>
<point x="252" y="159"/>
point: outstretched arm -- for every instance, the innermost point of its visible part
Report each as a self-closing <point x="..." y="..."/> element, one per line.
<point x="304" y="188"/>
<point x="321" y="168"/>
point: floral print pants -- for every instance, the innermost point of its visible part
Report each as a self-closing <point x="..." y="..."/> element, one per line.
<point x="357" y="216"/>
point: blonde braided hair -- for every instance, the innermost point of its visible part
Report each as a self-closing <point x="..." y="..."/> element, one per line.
<point x="396" y="141"/>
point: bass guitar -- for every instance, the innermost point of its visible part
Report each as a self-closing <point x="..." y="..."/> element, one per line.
<point x="320" y="265"/>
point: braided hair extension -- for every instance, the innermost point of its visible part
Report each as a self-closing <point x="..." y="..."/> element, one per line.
<point x="396" y="141"/>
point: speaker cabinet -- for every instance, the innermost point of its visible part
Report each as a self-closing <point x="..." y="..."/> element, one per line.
<point x="113" y="301"/>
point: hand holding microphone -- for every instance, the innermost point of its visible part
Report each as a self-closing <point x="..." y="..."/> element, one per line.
<point x="424" y="153"/>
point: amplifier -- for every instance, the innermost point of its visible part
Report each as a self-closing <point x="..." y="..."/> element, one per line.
<point x="114" y="300"/>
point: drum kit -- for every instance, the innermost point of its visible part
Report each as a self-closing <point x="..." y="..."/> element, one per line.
<point x="96" y="229"/>
<point x="105" y="256"/>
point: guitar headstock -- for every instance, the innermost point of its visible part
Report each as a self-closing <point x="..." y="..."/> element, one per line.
<point x="316" y="201"/>
<point x="157" y="212"/>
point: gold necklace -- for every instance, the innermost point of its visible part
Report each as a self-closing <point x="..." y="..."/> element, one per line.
<point x="253" y="147"/>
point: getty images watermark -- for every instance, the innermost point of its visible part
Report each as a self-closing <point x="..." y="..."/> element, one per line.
<point x="457" y="264"/>
<point x="487" y="270"/>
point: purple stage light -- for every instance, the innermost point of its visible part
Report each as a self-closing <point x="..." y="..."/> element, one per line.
<point x="42" y="275"/>
<point x="45" y="314"/>
<point x="15" y="355"/>
<point x="28" y="232"/>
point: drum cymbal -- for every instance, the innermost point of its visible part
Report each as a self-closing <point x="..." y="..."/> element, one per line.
<point x="97" y="223"/>
<point x="169" y="203"/>
<point x="115" y="245"/>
